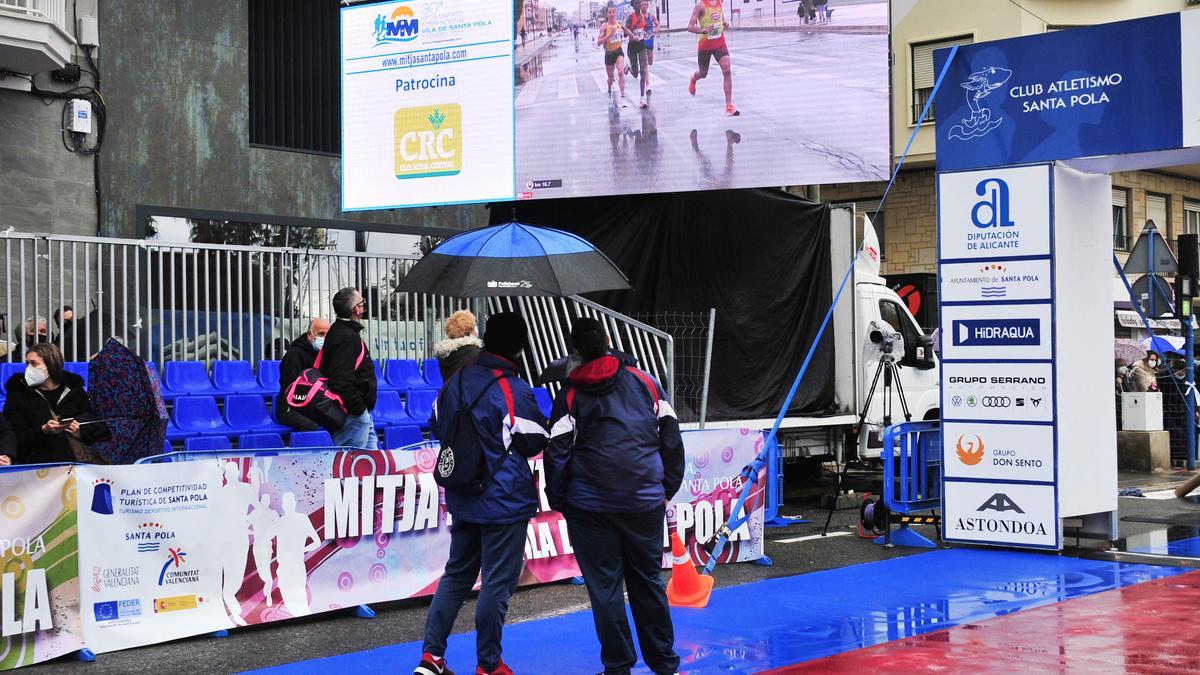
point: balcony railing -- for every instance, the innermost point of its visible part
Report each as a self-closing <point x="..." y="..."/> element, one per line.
<point x="51" y="10"/>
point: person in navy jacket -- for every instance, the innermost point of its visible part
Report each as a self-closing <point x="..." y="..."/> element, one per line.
<point x="615" y="458"/>
<point x="488" y="529"/>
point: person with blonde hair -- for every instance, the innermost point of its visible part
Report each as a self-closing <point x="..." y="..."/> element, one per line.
<point x="461" y="346"/>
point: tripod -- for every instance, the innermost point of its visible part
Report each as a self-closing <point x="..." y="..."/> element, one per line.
<point x="890" y="373"/>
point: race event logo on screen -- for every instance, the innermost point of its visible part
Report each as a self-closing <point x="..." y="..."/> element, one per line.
<point x="428" y="141"/>
<point x="401" y="26"/>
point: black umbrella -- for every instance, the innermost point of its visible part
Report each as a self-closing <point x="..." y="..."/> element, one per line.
<point x="514" y="259"/>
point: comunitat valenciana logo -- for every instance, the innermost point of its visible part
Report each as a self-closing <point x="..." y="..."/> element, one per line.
<point x="401" y="25"/>
<point x="428" y="141"/>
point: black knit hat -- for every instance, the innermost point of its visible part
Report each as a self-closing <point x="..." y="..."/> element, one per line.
<point x="505" y="334"/>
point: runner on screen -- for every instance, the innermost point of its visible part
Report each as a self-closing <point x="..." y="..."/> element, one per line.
<point x="638" y="26"/>
<point x="708" y="21"/>
<point x="611" y="34"/>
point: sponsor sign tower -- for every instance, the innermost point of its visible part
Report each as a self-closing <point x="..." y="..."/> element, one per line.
<point x="1029" y="430"/>
<point x="1025" y="263"/>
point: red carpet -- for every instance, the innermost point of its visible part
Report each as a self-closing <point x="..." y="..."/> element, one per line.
<point x="1145" y="628"/>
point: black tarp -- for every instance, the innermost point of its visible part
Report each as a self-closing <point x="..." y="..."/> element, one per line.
<point x="760" y="257"/>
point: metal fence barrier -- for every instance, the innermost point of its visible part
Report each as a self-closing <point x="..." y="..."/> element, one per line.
<point x="550" y="321"/>
<point x="206" y="302"/>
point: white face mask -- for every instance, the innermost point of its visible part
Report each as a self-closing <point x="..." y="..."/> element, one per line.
<point x="317" y="343"/>
<point x="35" y="376"/>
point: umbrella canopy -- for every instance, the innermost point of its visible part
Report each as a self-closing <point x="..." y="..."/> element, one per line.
<point x="125" y="392"/>
<point x="1128" y="351"/>
<point x="1163" y="344"/>
<point x="514" y="259"/>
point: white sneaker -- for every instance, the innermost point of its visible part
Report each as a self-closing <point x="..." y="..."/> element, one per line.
<point x="624" y="103"/>
<point x="642" y="103"/>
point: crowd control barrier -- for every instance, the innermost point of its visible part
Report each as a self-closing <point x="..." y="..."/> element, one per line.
<point x="912" y="480"/>
<point x="102" y="558"/>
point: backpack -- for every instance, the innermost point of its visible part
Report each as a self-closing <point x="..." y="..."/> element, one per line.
<point x="310" y="395"/>
<point x="460" y="465"/>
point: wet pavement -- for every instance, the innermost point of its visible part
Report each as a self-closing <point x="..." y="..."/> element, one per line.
<point x="814" y="109"/>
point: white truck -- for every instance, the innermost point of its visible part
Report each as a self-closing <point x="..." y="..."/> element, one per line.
<point x="864" y="321"/>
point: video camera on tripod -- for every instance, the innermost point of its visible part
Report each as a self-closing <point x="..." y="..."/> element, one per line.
<point x="885" y="336"/>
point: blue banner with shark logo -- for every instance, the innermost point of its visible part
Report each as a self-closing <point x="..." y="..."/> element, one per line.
<point x="1103" y="90"/>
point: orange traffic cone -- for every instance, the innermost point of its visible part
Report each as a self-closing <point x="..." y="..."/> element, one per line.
<point x="687" y="588"/>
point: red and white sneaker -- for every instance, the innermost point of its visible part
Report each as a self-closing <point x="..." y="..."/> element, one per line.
<point x="432" y="665"/>
<point x="500" y="669"/>
<point x="731" y="110"/>
<point x="692" y="85"/>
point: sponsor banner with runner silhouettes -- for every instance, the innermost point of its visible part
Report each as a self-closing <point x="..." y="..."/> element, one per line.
<point x="315" y="532"/>
<point x="39" y="568"/>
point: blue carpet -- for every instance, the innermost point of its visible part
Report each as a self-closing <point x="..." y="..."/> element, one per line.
<point x="778" y="622"/>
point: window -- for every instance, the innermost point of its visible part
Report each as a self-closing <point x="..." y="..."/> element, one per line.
<point x="897" y="318"/>
<point x="1156" y="212"/>
<point x="924" y="75"/>
<point x="295" y="88"/>
<point x="1120" y="206"/>
<point x="1191" y="217"/>
<point x="869" y="206"/>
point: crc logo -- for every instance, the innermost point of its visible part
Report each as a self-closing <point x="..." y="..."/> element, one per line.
<point x="1000" y="502"/>
<point x="969" y="452"/>
<point x="993" y="209"/>
<point x="428" y="141"/>
<point x="997" y="402"/>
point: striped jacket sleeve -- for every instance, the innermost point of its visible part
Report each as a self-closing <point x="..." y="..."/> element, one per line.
<point x="523" y="426"/>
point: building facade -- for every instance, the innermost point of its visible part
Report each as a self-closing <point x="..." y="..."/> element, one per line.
<point x="909" y="227"/>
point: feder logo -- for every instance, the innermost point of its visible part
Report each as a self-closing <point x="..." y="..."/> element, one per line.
<point x="428" y="141"/>
<point x="969" y="452"/>
<point x="401" y="26"/>
<point x="994" y="209"/>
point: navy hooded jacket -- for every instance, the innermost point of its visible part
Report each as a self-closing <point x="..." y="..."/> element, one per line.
<point x="618" y="448"/>
<point x="512" y="427"/>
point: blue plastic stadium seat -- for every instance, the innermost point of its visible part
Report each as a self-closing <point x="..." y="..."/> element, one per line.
<point x="420" y="406"/>
<point x="186" y="378"/>
<point x="177" y="435"/>
<point x="381" y="382"/>
<point x="433" y="374"/>
<point x="311" y="439"/>
<point x="402" y="435"/>
<point x="268" y="375"/>
<point x="7" y="370"/>
<point x="167" y="446"/>
<point x="247" y="414"/>
<point x="389" y="410"/>
<point x="237" y="377"/>
<point x="198" y="415"/>
<point x="404" y="374"/>
<point x="260" y="441"/>
<point x="202" y="443"/>
<point x="80" y="368"/>
<point x="544" y="401"/>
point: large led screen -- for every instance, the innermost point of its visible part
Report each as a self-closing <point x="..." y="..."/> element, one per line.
<point x="454" y="101"/>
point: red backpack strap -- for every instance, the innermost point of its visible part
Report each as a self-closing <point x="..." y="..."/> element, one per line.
<point x="649" y="385"/>
<point x="570" y="399"/>
<point x="317" y="363"/>
<point x="506" y="388"/>
<point x="362" y="353"/>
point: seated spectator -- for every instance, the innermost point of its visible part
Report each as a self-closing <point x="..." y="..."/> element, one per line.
<point x="50" y="412"/>
<point x="8" y="443"/>
<point x="300" y="356"/>
<point x="461" y="346"/>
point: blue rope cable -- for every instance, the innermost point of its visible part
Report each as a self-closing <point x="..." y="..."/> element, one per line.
<point x="736" y="515"/>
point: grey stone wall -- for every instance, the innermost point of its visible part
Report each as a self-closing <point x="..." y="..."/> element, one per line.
<point x="177" y="85"/>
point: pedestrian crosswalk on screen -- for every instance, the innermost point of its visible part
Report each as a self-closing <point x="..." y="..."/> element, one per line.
<point x="458" y="101"/>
